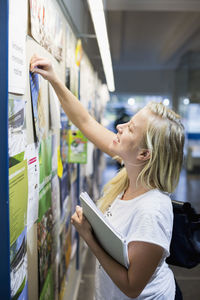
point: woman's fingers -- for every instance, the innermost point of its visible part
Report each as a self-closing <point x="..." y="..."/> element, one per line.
<point x="40" y="63"/>
<point x="79" y="211"/>
<point x="75" y="218"/>
<point x="81" y="224"/>
<point x="42" y="66"/>
<point x="78" y="215"/>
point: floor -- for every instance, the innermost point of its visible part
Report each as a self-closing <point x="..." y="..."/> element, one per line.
<point x="188" y="279"/>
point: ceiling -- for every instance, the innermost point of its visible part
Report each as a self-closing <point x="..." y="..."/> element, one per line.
<point x="151" y="34"/>
<point x="144" y="35"/>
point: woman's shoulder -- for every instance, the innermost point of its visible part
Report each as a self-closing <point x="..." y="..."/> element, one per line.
<point x="156" y="196"/>
<point x="156" y="201"/>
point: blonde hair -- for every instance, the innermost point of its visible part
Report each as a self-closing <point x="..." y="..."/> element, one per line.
<point x="164" y="138"/>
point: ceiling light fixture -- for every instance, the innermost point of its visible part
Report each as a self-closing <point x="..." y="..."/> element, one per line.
<point x="131" y="101"/>
<point x="98" y="18"/>
<point x="186" y="101"/>
<point x="166" y="102"/>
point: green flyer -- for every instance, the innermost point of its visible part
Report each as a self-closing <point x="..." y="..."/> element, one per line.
<point x="45" y="161"/>
<point x="45" y="240"/>
<point x="48" y="290"/>
<point x="18" y="198"/>
<point x="44" y="200"/>
<point x="77" y="147"/>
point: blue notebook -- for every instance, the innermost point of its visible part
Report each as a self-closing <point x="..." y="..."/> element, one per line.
<point x="109" y="238"/>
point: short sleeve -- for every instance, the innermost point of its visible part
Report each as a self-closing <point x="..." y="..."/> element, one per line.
<point x="152" y="227"/>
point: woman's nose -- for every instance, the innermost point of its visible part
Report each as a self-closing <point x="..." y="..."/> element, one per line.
<point x="119" y="127"/>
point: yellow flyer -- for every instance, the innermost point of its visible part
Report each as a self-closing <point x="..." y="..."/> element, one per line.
<point x="18" y="199"/>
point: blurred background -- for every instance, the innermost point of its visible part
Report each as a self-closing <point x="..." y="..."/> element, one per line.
<point x="155" y="51"/>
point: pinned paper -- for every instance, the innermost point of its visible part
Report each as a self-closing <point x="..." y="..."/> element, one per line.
<point x="60" y="166"/>
<point x="77" y="147"/>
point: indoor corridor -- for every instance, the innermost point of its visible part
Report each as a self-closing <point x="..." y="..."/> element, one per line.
<point x="188" y="279"/>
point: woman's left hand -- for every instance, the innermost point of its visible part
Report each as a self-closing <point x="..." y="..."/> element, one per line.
<point x="81" y="224"/>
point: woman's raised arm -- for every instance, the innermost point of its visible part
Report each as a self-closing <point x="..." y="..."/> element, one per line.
<point x="75" y="111"/>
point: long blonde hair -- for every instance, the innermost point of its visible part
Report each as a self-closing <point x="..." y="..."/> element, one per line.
<point x="164" y="138"/>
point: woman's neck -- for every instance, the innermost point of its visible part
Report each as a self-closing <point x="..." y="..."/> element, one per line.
<point x="130" y="194"/>
<point x="134" y="189"/>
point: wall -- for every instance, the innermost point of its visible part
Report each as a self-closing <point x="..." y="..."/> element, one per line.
<point x="52" y="250"/>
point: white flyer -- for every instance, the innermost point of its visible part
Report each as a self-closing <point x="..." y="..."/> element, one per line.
<point x="31" y="154"/>
<point x="17" y="46"/>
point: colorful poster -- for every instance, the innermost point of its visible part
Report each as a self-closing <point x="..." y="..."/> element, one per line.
<point x="17" y="127"/>
<point x="45" y="239"/>
<point x="17" y="46"/>
<point x="18" y="268"/>
<point x="18" y="198"/>
<point x="47" y="27"/>
<point x="77" y="147"/>
<point x="37" y="107"/>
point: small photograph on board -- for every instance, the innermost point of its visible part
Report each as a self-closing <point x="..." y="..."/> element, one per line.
<point x="38" y="110"/>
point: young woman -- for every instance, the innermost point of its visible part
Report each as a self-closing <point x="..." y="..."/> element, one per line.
<point x="136" y="200"/>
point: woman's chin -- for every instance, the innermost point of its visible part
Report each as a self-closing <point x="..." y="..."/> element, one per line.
<point x="113" y="148"/>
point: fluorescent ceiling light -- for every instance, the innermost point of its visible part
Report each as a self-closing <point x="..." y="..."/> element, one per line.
<point x="98" y="18"/>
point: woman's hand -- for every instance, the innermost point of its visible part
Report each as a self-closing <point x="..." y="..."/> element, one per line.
<point x="81" y="224"/>
<point x="42" y="66"/>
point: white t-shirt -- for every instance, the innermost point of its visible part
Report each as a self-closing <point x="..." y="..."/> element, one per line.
<point x="147" y="218"/>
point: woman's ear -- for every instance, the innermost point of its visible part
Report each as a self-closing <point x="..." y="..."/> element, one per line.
<point x="144" y="154"/>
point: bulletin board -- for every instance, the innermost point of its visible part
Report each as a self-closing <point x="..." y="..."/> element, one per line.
<point x="50" y="161"/>
<point x="4" y="204"/>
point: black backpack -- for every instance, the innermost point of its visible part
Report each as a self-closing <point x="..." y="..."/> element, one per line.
<point x="185" y="243"/>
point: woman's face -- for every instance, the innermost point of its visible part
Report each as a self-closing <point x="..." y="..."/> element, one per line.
<point x="129" y="136"/>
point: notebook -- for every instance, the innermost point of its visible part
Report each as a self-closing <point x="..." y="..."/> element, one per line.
<point x="109" y="238"/>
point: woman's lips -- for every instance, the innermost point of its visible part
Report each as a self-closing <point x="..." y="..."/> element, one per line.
<point x="116" y="139"/>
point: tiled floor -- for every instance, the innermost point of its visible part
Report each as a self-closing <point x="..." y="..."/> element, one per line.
<point x="188" y="279"/>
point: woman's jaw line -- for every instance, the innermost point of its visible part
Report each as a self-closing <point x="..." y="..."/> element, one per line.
<point x="128" y="163"/>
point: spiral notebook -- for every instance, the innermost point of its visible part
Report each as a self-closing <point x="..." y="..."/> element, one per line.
<point x="111" y="240"/>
